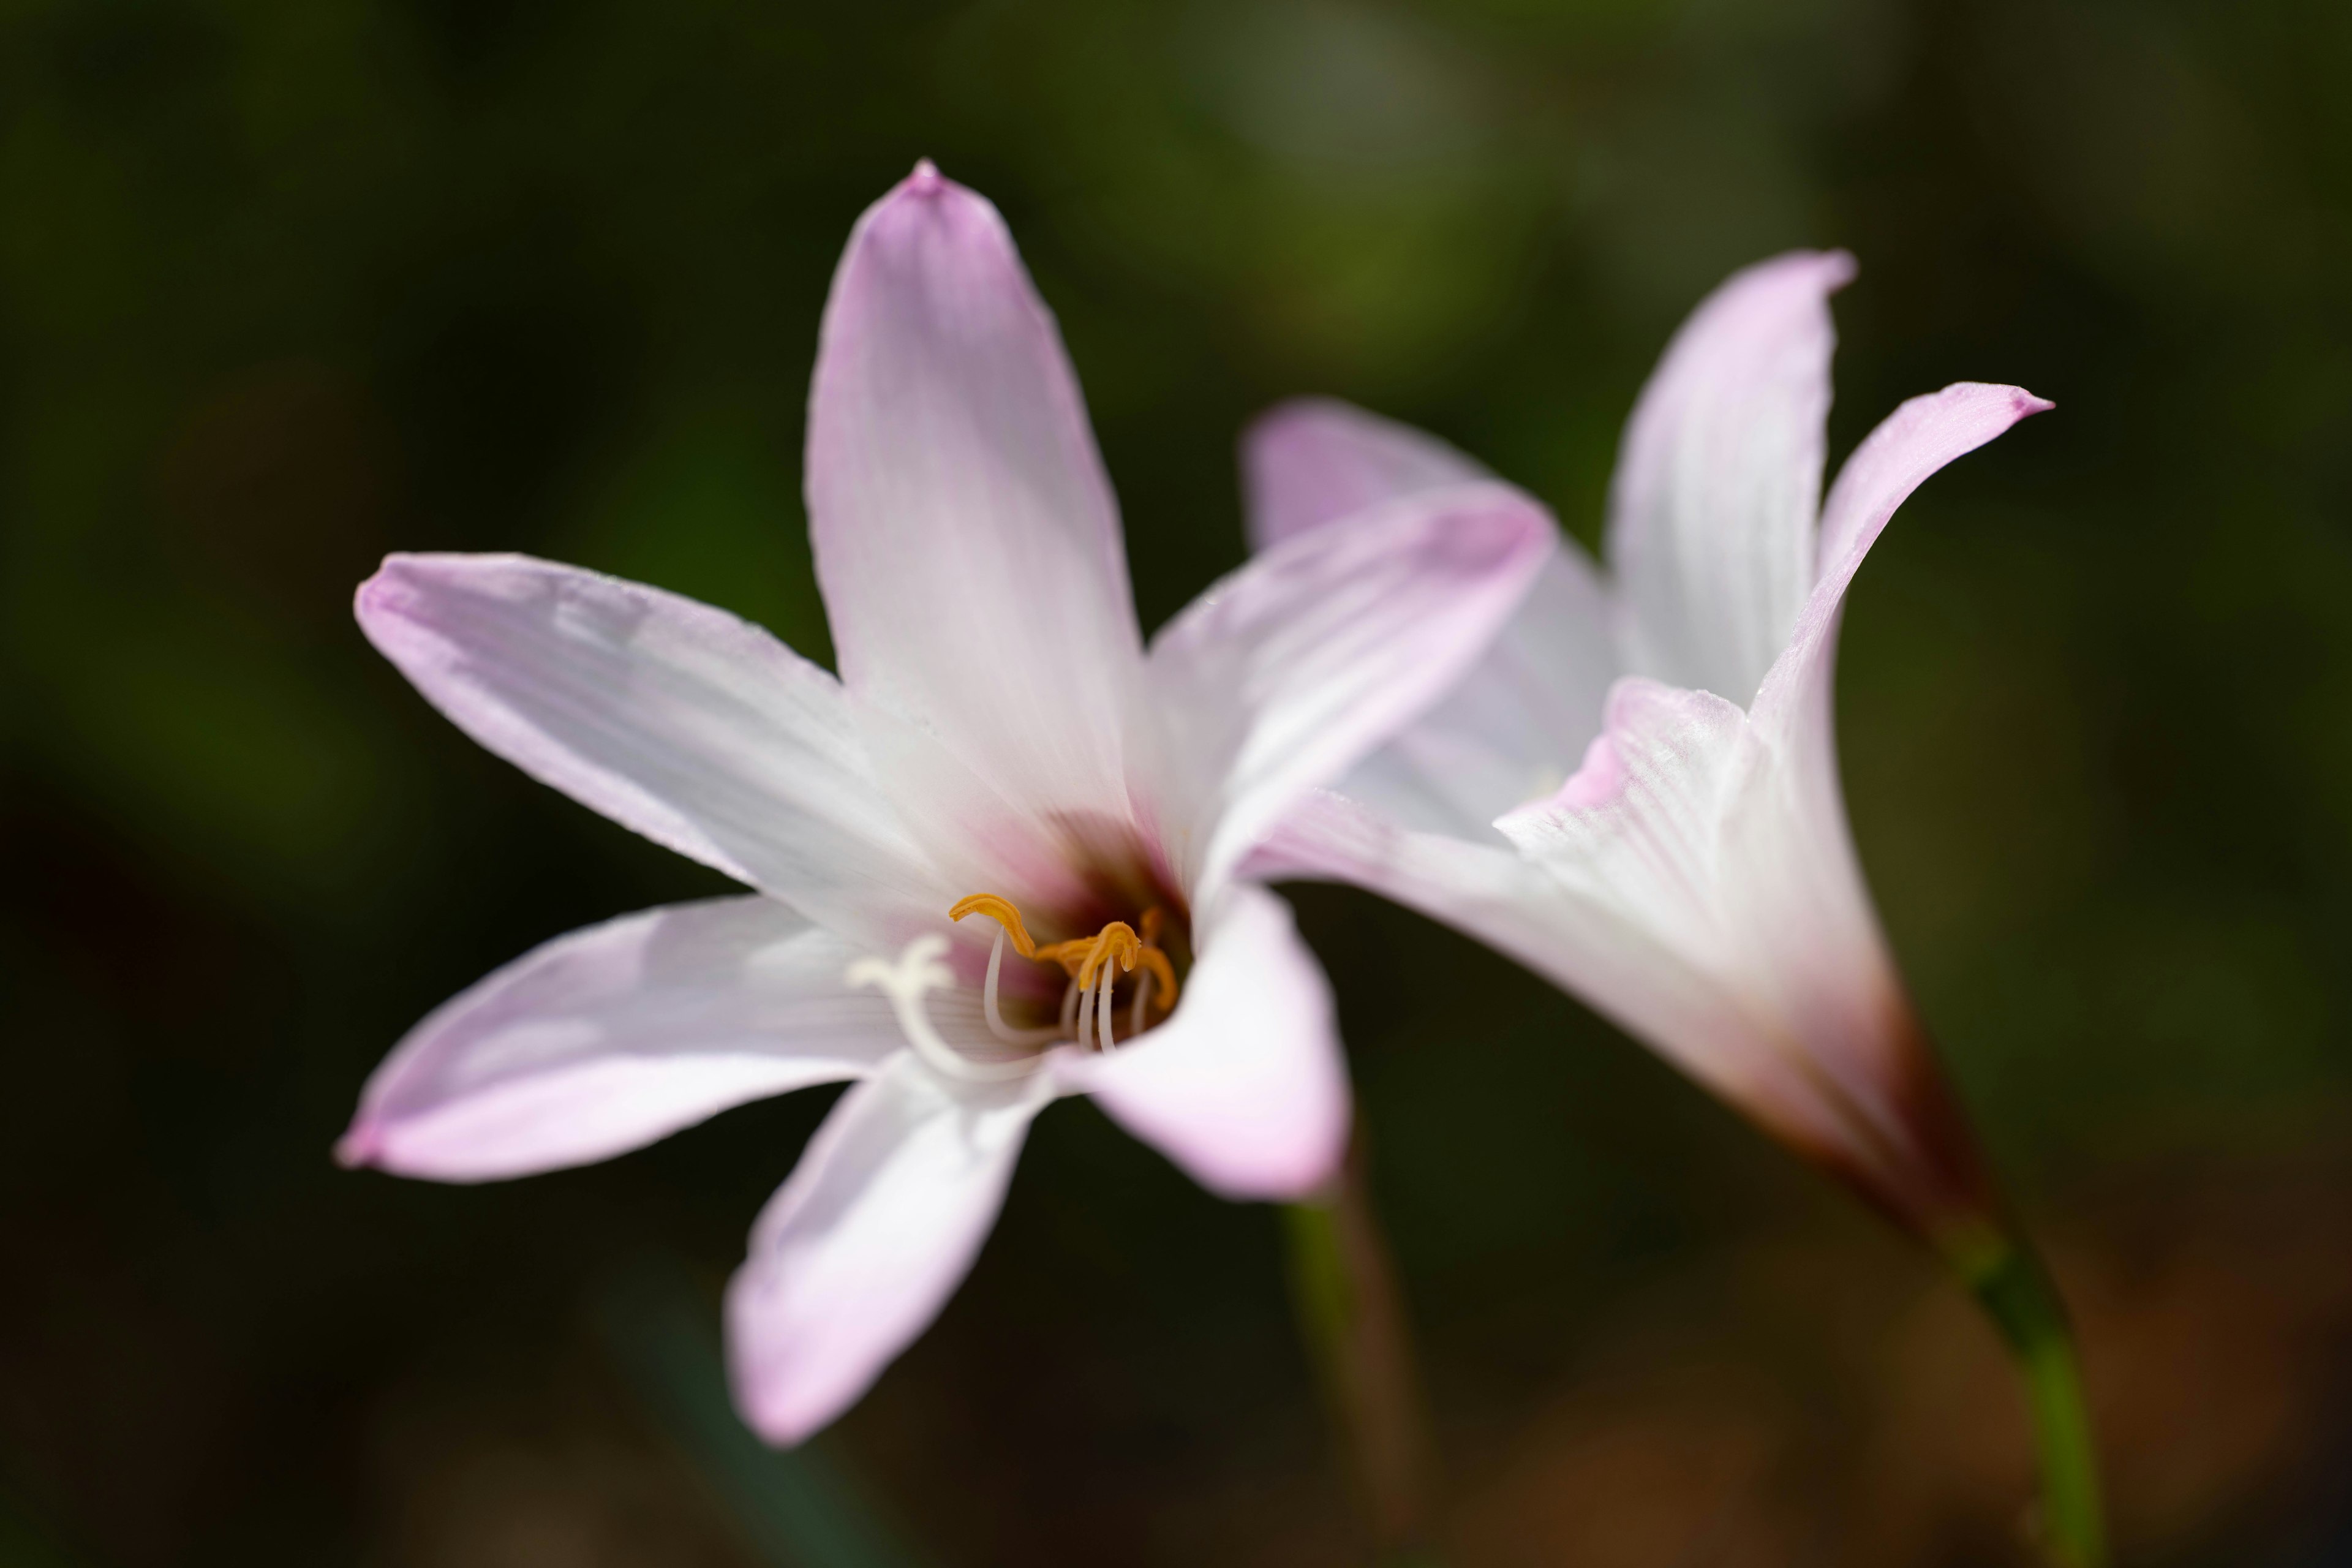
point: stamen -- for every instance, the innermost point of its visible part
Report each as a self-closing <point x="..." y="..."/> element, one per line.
<point x="1102" y="1015"/>
<point x="1087" y="1010"/>
<point x="917" y="972"/>
<point x="1069" y="1005"/>
<point x="1079" y="956"/>
<point x="1142" y="1000"/>
<point x="996" y="1023"/>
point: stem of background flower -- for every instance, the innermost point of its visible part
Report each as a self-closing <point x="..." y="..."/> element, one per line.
<point x="2017" y="1294"/>
<point x="1354" y="1323"/>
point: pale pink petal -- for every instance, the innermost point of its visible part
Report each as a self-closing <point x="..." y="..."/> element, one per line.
<point x="1244" y="1086"/>
<point x="1285" y="674"/>
<point x="856" y="1254"/>
<point x="1577" y="935"/>
<point x="614" y="1035"/>
<point x="1317" y="459"/>
<point x="698" y="729"/>
<point x="1514" y="727"/>
<point x="967" y="541"/>
<point x="1791" y="871"/>
<point x="1711" y="528"/>
<point x="1897" y="458"/>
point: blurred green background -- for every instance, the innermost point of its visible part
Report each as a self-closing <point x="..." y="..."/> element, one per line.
<point x="283" y="285"/>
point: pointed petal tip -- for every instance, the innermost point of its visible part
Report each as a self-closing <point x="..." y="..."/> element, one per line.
<point x="360" y="1147"/>
<point x="926" y="180"/>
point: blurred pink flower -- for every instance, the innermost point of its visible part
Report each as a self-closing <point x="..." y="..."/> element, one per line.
<point x="999" y="729"/>
<point x="1636" y="793"/>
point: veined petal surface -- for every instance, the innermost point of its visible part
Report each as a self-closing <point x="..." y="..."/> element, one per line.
<point x="857" y="1252"/>
<point x="967" y="541"/>
<point x="1512" y="727"/>
<point x="1316" y="459"/>
<point x="1244" y="1086"/>
<point x="695" y="728"/>
<point x="608" y="1038"/>
<point x="1284" y="675"/>
<point x="1712" y="513"/>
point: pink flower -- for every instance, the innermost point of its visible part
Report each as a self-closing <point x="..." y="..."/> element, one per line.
<point x="999" y="746"/>
<point x="1635" y="793"/>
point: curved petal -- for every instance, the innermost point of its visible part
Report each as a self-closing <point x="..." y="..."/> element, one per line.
<point x="1895" y="460"/>
<point x="1711" y="527"/>
<point x="1284" y="675"/>
<point x="1792" y="867"/>
<point x="614" y="1035"/>
<point x="1514" y="728"/>
<point x="967" y="541"/>
<point x="698" y="729"/>
<point x="857" y="1252"/>
<point x="1316" y="459"/>
<point x="1246" y="1086"/>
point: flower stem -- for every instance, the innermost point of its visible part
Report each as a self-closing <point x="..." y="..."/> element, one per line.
<point x="1354" y="1323"/>
<point x="2017" y="1294"/>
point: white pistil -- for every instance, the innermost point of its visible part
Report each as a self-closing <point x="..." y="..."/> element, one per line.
<point x="1069" y="1006"/>
<point x="1142" y="999"/>
<point x="917" y="972"/>
<point x="996" y="1023"/>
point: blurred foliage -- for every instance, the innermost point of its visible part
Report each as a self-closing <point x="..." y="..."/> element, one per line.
<point x="283" y="285"/>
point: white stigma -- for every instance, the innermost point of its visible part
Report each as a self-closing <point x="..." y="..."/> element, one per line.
<point x="917" y="972"/>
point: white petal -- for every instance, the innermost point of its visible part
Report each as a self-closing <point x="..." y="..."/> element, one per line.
<point x="1514" y="727"/>
<point x="1578" y="936"/>
<point x="1711" y="529"/>
<point x="698" y="729"/>
<point x="1244" y="1086"/>
<point x="856" y="1253"/>
<point x="1791" y="877"/>
<point x="967" y="541"/>
<point x="617" y="1035"/>
<point x="1317" y="459"/>
<point x="1284" y="675"/>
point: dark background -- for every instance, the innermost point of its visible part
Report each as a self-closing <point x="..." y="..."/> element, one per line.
<point x="283" y="285"/>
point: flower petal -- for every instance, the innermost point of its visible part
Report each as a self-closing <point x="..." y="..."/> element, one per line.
<point x="1316" y="460"/>
<point x="1514" y="727"/>
<point x="1711" y="528"/>
<point x="856" y="1253"/>
<point x="614" y="1035"/>
<point x="966" y="540"/>
<point x="1908" y="447"/>
<point x="1284" y="675"/>
<point x="1246" y="1086"/>
<point x="697" y="729"/>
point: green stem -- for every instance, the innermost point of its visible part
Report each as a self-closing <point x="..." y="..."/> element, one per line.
<point x="2017" y="1292"/>
<point x="1353" y="1320"/>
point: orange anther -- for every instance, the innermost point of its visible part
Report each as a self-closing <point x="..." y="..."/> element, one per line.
<point x="1082" y="957"/>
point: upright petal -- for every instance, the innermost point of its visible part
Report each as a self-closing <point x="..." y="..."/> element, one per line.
<point x="967" y="541"/>
<point x="1908" y="447"/>
<point x="1711" y="528"/>
<point x="604" y="1040"/>
<point x="1316" y="460"/>
<point x="1246" y="1086"/>
<point x="1284" y="675"/>
<point x="856" y="1253"/>
<point x="1514" y="728"/>
<point x="698" y="729"/>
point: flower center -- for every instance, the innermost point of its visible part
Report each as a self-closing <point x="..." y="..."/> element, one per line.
<point x="1092" y="966"/>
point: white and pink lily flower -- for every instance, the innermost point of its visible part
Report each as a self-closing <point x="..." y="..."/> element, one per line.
<point x="1001" y="766"/>
<point x="1636" y="794"/>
